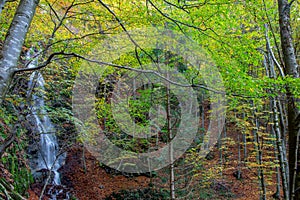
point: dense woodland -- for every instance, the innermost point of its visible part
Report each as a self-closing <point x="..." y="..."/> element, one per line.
<point x="120" y="64"/>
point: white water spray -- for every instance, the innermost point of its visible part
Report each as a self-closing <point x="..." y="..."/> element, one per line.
<point x="48" y="158"/>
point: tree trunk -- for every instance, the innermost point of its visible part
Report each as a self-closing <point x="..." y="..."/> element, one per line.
<point x="2" y="3"/>
<point x="291" y="69"/>
<point x="171" y="150"/>
<point x="13" y="42"/>
<point x="280" y="145"/>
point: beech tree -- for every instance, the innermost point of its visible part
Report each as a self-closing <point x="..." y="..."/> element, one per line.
<point x="13" y="42"/>
<point x="2" y="2"/>
<point x="291" y="69"/>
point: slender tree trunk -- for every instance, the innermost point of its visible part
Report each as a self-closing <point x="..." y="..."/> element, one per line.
<point x="262" y="175"/>
<point x="238" y="176"/>
<point x="293" y="191"/>
<point x="13" y="42"/>
<point x="277" y="193"/>
<point x="244" y="141"/>
<point x="220" y="152"/>
<point x="169" y="124"/>
<point x="280" y="144"/>
<point x="258" y="150"/>
<point x="291" y="69"/>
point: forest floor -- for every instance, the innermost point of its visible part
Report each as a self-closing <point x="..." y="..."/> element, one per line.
<point x="89" y="180"/>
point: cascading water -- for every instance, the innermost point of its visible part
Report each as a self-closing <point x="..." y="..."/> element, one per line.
<point x="47" y="158"/>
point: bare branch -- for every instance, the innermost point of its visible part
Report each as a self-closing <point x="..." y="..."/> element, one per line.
<point x="273" y="35"/>
<point x="125" y="30"/>
<point x="179" y="23"/>
<point x="70" y="55"/>
<point x="269" y="49"/>
<point x="47" y="62"/>
<point x="198" y="5"/>
<point x="64" y="55"/>
<point x="176" y="6"/>
<point x="176" y="21"/>
<point x="292" y="1"/>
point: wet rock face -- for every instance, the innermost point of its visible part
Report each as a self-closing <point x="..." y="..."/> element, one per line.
<point x="33" y="151"/>
<point x="41" y="176"/>
<point x="51" y="191"/>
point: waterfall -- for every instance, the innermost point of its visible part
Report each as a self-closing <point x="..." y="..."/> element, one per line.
<point x="47" y="158"/>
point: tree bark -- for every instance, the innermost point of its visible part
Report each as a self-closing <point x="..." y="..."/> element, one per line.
<point x="291" y="69"/>
<point x="2" y="3"/>
<point x="171" y="150"/>
<point x="13" y="42"/>
<point x="281" y="151"/>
